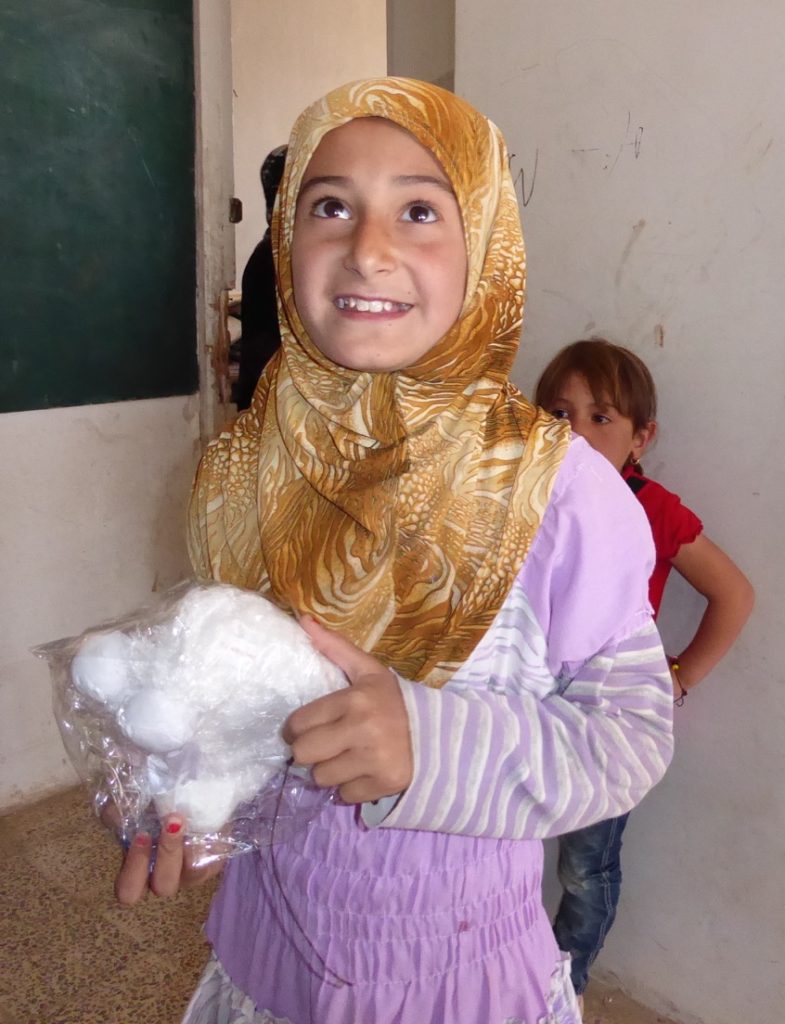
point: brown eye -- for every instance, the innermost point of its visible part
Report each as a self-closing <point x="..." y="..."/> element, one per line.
<point x="330" y="208"/>
<point x="420" y="213"/>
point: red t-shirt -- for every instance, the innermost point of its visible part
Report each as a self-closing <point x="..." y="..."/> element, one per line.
<point x="672" y="524"/>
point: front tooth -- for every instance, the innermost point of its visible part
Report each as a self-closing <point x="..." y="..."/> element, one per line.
<point x="363" y="306"/>
<point x="376" y="305"/>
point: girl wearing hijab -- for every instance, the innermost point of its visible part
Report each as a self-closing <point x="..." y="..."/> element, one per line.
<point x="476" y="573"/>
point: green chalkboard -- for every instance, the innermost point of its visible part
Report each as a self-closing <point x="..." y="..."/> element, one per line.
<point x="97" y="236"/>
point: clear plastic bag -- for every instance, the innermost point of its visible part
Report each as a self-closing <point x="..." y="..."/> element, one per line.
<point x="179" y="707"/>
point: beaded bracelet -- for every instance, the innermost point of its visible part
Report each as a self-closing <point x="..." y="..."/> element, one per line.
<point x="675" y="668"/>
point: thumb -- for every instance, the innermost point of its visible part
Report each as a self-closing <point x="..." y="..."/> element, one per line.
<point x="355" y="663"/>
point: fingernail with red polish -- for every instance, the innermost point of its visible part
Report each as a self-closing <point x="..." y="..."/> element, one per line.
<point x="141" y="839"/>
<point x="174" y="827"/>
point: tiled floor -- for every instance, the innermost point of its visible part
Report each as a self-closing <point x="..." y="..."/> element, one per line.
<point x="69" y="954"/>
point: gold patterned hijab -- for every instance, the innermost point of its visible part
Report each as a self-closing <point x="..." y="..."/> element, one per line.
<point x="395" y="507"/>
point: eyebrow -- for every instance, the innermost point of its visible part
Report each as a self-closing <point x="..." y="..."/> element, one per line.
<point x="594" y="405"/>
<point x="400" y="179"/>
<point x="424" y="179"/>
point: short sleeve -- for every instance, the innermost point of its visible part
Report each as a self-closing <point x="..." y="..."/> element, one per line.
<point x="672" y="523"/>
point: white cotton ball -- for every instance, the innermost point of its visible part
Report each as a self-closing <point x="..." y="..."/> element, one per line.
<point x="157" y="722"/>
<point x="102" y="669"/>
<point x="161" y="776"/>
<point x="204" y="693"/>
<point x="259" y="748"/>
<point x="207" y="803"/>
<point x="243" y="655"/>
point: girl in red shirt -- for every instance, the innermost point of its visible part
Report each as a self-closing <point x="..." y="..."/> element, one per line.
<point x="608" y="395"/>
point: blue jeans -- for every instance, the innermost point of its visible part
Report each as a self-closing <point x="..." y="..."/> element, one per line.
<point x="590" y="874"/>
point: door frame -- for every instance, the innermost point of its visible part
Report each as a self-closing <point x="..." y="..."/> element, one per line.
<point x="214" y="164"/>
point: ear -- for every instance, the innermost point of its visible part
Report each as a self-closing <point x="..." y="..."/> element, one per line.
<point x="642" y="438"/>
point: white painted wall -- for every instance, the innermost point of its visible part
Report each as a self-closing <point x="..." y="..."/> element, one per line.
<point x="93" y="514"/>
<point x="284" y="57"/>
<point x="655" y="217"/>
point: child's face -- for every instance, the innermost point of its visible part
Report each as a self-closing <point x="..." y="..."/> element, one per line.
<point x="601" y="424"/>
<point x="378" y="254"/>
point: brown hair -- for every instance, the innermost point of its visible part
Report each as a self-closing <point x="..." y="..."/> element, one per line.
<point x="612" y="373"/>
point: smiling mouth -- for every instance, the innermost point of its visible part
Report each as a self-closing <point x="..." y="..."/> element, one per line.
<point x="353" y="302"/>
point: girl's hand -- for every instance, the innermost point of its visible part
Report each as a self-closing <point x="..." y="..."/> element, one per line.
<point x="173" y="869"/>
<point x="356" y="739"/>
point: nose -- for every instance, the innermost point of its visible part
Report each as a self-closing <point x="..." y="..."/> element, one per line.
<point x="371" y="248"/>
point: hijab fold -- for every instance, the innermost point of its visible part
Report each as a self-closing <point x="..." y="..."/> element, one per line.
<point x="395" y="507"/>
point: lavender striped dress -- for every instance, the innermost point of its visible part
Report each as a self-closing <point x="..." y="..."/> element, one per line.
<point x="427" y="909"/>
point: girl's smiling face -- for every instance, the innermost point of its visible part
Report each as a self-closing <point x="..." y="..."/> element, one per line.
<point x="600" y="423"/>
<point x="378" y="253"/>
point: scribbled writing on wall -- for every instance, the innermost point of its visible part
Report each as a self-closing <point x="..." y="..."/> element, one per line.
<point x="524" y="186"/>
<point x="630" y="140"/>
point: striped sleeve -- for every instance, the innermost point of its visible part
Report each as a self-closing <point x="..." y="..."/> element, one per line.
<point x="562" y="715"/>
<point x="520" y="766"/>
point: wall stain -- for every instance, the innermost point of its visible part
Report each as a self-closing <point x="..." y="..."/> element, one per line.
<point x="636" y="233"/>
<point x="659" y="335"/>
